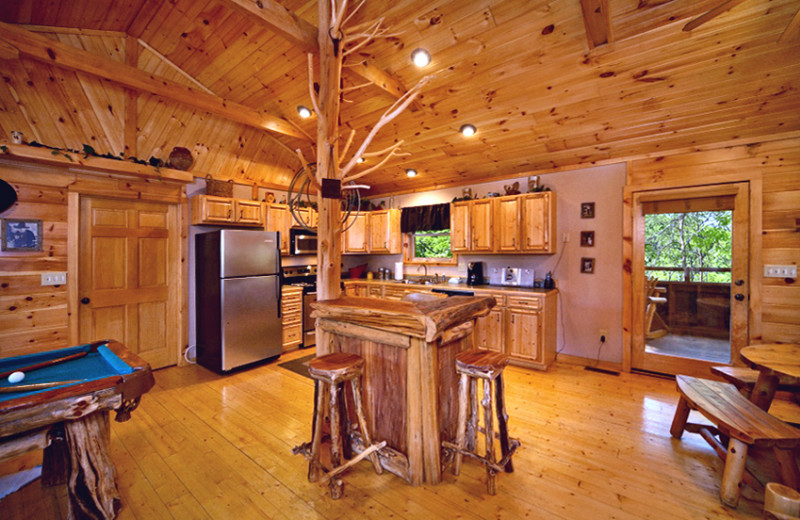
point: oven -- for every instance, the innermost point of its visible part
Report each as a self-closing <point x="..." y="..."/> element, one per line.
<point x="302" y="242"/>
<point x="304" y="276"/>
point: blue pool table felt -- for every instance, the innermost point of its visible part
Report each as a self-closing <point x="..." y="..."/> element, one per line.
<point x="95" y="365"/>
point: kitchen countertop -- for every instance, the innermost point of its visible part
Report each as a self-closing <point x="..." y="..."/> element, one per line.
<point x="462" y="286"/>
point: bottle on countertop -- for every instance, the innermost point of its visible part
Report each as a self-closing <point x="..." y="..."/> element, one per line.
<point x="549" y="283"/>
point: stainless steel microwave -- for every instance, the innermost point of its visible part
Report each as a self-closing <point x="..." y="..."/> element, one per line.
<point x="302" y="241"/>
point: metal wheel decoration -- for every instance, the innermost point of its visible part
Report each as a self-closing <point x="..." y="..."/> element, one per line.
<point x="299" y="195"/>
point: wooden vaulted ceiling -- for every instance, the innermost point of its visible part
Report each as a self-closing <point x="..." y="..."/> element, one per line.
<point x="549" y="84"/>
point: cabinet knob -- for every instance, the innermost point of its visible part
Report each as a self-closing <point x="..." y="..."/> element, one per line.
<point x="739" y="297"/>
<point x="85" y="300"/>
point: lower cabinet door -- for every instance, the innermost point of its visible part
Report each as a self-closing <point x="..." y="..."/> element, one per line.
<point x="523" y="335"/>
<point x="488" y="333"/>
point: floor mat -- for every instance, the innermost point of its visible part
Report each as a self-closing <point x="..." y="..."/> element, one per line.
<point x="299" y="365"/>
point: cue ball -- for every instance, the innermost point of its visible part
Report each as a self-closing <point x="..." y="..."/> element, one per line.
<point x="16" y="377"/>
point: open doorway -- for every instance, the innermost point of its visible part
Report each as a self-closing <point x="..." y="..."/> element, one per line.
<point x="690" y="273"/>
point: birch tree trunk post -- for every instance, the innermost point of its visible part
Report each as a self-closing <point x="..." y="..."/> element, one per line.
<point x="329" y="253"/>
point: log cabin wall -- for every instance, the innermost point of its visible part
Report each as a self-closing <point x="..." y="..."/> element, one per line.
<point x="33" y="317"/>
<point x="776" y="166"/>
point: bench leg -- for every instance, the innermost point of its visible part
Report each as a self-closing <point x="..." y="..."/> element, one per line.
<point x="732" y="473"/>
<point x="788" y="467"/>
<point x="681" y="416"/>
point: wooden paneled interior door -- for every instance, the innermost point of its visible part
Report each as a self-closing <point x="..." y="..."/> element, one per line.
<point x="686" y="351"/>
<point x="129" y="276"/>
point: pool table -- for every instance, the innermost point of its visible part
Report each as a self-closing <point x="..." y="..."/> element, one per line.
<point x="70" y="422"/>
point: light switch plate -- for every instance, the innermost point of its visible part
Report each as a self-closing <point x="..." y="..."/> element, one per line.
<point x="780" y="271"/>
<point x="54" y="278"/>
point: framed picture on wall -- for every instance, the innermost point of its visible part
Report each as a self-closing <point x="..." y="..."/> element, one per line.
<point x="587" y="210"/>
<point x="20" y="235"/>
<point x="587" y="238"/>
<point x="587" y="265"/>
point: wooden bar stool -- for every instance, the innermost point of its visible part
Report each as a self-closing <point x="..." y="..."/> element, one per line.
<point x="487" y="366"/>
<point x="330" y="372"/>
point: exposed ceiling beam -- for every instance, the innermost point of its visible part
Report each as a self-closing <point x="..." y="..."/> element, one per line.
<point x="713" y="13"/>
<point x="8" y="52"/>
<point x="278" y="19"/>
<point x="596" y="21"/>
<point x="67" y="57"/>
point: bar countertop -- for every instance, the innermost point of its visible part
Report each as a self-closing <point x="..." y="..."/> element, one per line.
<point x="421" y="319"/>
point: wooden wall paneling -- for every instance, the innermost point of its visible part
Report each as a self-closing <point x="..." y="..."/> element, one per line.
<point x="773" y="169"/>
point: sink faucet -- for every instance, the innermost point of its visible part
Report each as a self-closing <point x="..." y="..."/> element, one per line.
<point x="424" y="266"/>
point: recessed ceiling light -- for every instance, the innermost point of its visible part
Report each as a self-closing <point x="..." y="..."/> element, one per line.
<point x="468" y="130"/>
<point x="421" y="57"/>
<point x="304" y="112"/>
<point x="411" y="172"/>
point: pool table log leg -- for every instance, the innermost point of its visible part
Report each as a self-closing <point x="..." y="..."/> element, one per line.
<point x="92" y="485"/>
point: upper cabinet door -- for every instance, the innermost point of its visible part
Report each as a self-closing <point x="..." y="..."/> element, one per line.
<point x="538" y="222"/>
<point x="355" y="238"/>
<point x="278" y="218"/>
<point x="507" y="224"/>
<point x="459" y="226"/>
<point x="481" y="225"/>
<point x="249" y="212"/>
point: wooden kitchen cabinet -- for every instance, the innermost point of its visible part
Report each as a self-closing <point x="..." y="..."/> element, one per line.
<point x="292" y="316"/>
<point x="208" y="209"/>
<point x="459" y="227"/>
<point x="531" y="329"/>
<point x="538" y="230"/>
<point x="384" y="231"/>
<point x="512" y="224"/>
<point x="356" y="239"/>
<point x="376" y="232"/>
<point x="355" y="289"/>
<point x="508" y="228"/>
<point x="471" y="226"/>
<point x="489" y="330"/>
<point x="279" y="219"/>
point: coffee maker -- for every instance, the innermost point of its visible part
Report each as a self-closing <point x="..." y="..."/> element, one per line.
<point x="475" y="273"/>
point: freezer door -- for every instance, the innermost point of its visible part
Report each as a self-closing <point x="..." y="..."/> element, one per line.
<point x="245" y="252"/>
<point x="251" y="328"/>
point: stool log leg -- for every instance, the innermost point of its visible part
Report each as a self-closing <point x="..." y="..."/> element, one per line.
<point x="732" y="473"/>
<point x="681" y="416"/>
<point x="355" y="386"/>
<point x="316" y="439"/>
<point x="472" y="425"/>
<point x="489" y="434"/>
<point x="461" y="431"/>
<point x="335" y="484"/>
<point x="502" y="420"/>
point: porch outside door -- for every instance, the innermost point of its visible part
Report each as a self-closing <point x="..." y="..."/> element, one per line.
<point x="129" y="265"/>
<point x="723" y="197"/>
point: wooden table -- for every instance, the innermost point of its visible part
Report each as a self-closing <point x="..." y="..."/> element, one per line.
<point x="410" y="384"/>
<point x="70" y="422"/>
<point x="777" y="364"/>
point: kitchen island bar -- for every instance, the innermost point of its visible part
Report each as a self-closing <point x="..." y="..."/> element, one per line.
<point x="410" y="383"/>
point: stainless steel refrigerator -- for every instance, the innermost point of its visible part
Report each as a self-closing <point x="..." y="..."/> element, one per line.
<point x="238" y="294"/>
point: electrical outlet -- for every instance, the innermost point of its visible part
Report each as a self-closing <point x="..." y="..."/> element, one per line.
<point x="566" y="237"/>
<point x="603" y="335"/>
<point x="780" y="271"/>
<point x="54" y="278"/>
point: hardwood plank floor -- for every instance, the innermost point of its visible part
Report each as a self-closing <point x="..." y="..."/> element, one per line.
<point x="593" y="446"/>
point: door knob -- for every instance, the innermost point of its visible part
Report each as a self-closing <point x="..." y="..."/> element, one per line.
<point x="739" y="297"/>
<point x="85" y="300"/>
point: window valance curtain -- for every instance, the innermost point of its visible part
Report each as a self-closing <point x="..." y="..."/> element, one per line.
<point x="435" y="217"/>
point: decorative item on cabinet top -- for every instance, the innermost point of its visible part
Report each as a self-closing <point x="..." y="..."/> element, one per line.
<point x="219" y="188"/>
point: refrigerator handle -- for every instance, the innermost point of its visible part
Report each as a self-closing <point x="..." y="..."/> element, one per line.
<point x="280" y="276"/>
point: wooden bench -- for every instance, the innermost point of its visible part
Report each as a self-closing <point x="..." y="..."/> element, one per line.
<point x="785" y="408"/>
<point x="744" y="423"/>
